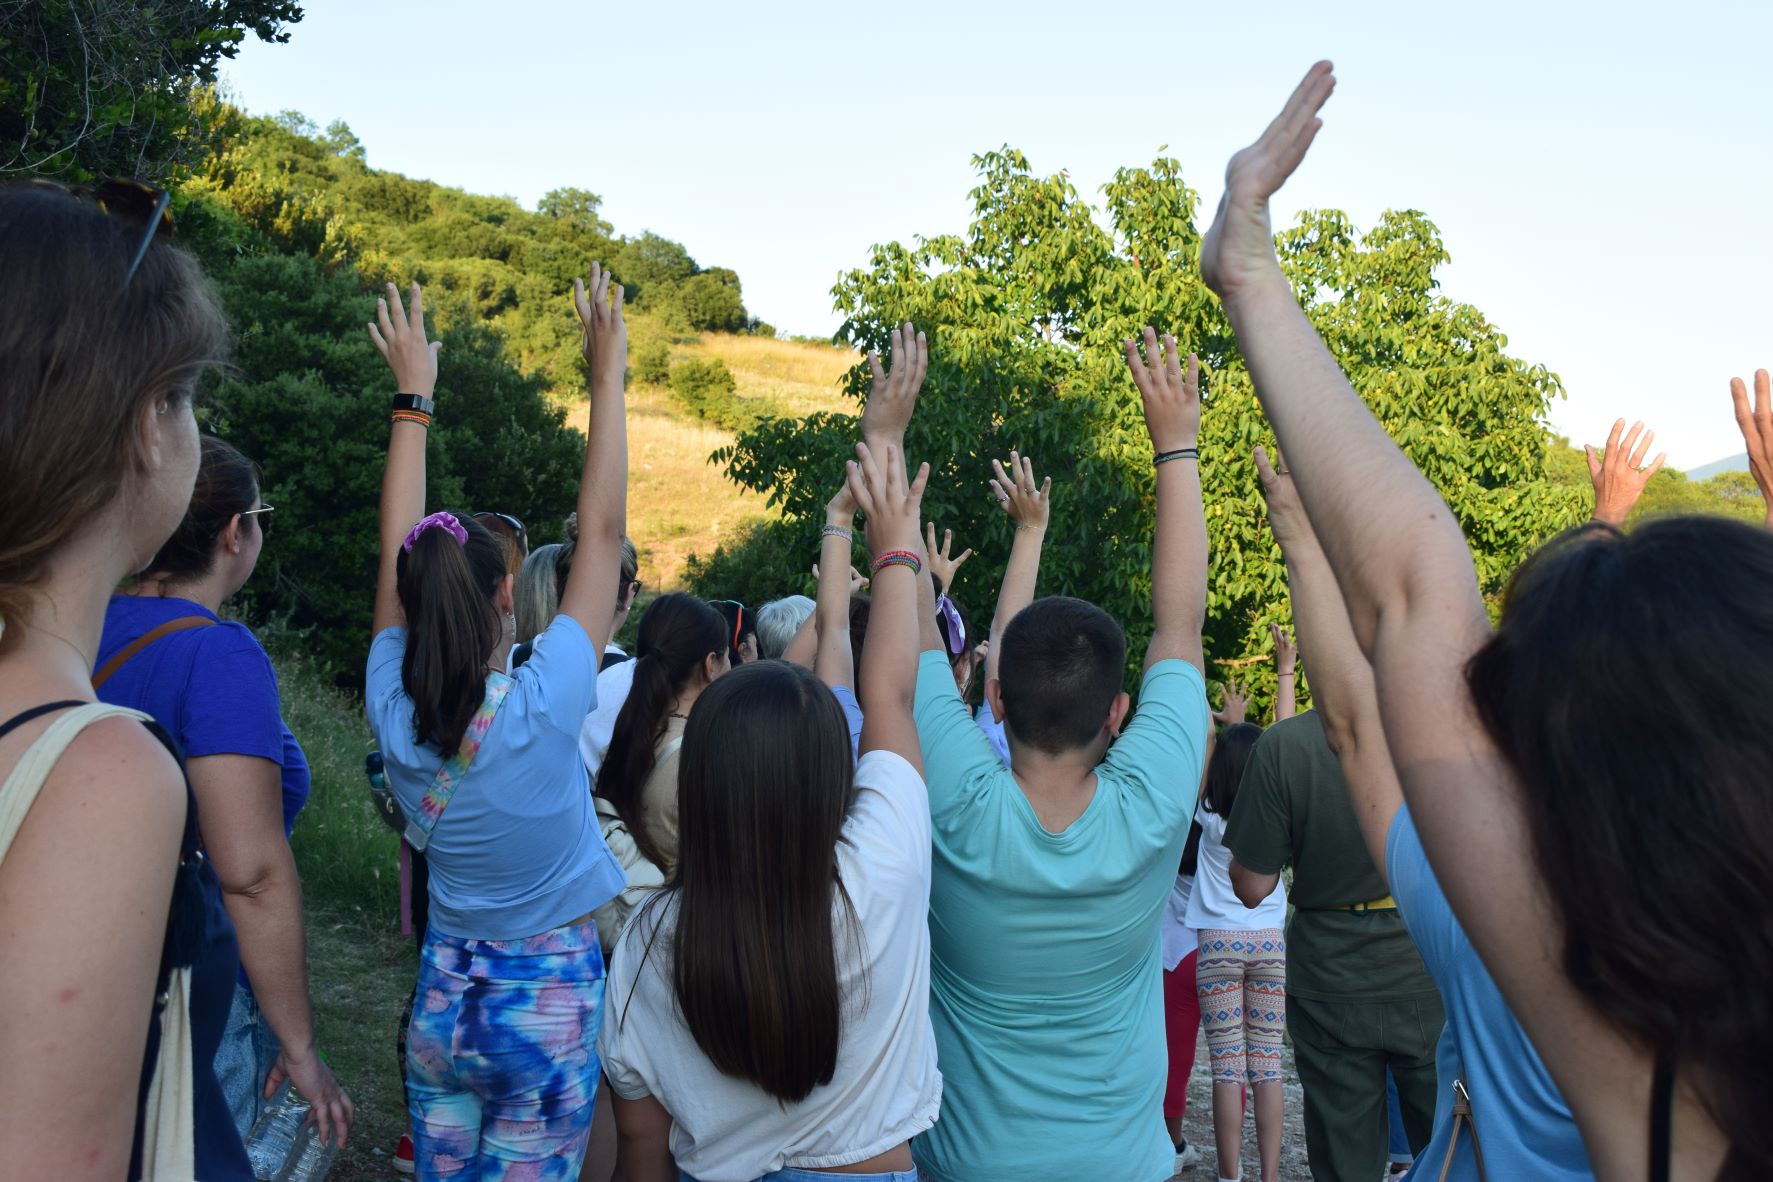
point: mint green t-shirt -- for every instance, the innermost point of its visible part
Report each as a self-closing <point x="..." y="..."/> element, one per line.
<point x="1045" y="973"/>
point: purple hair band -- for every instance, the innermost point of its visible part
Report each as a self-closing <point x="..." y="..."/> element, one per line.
<point x="443" y="521"/>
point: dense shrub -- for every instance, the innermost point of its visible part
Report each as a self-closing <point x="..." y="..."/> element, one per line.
<point x="651" y="364"/>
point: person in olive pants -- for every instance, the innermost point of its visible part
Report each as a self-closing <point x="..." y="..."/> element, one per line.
<point x="1358" y="999"/>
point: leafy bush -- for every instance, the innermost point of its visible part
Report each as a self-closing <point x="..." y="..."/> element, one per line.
<point x="707" y="390"/>
<point x="712" y="302"/>
<point x="765" y="559"/>
<point x="652" y="364"/>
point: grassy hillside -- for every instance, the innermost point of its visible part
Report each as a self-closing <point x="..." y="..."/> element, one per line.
<point x="678" y="503"/>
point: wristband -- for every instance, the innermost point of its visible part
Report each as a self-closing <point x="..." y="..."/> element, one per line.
<point x="898" y="558"/>
<point x="416" y="402"/>
<point x="1022" y="525"/>
<point x="1181" y="453"/>
<point x="1284" y="673"/>
<point x="412" y="416"/>
<point x="838" y="531"/>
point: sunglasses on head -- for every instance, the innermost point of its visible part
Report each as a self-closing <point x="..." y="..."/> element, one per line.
<point x="132" y="202"/>
<point x="955" y="632"/>
<point x="517" y="526"/>
<point x="261" y="513"/>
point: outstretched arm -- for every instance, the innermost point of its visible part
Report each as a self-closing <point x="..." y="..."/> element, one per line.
<point x="1342" y="689"/>
<point x="1756" y="425"/>
<point x="1028" y="505"/>
<point x="1179" y="551"/>
<point x="1618" y="474"/>
<point x="833" y="661"/>
<point x="603" y="484"/>
<point x="399" y="336"/>
<point x="893" y="396"/>
<point x="1286" y="673"/>
<point x="889" y="675"/>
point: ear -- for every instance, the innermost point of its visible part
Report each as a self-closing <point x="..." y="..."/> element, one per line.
<point x="150" y="450"/>
<point x="229" y="539"/>
<point x="1117" y="713"/>
<point x="627" y="597"/>
<point x="994" y="698"/>
<point x="712" y="667"/>
<point x="507" y="598"/>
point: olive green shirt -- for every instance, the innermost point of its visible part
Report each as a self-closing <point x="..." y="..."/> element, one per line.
<point x="1293" y="808"/>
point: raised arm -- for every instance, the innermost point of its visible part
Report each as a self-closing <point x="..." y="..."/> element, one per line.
<point x="1286" y="673"/>
<point x="1179" y="551"/>
<point x="943" y="568"/>
<point x="1756" y="424"/>
<point x="1030" y="506"/>
<point x="399" y="336"/>
<point x="889" y="675"/>
<point x="833" y="662"/>
<point x="603" y="485"/>
<point x="893" y="396"/>
<point x="1619" y="474"/>
<point x="1342" y="689"/>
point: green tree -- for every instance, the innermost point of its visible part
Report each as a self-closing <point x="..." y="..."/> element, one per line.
<point x="1026" y="313"/>
<point x="100" y="88"/>
<point x="652" y="364"/>
<point x="711" y="301"/>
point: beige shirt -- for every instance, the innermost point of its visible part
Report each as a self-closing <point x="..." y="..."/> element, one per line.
<point x="658" y="797"/>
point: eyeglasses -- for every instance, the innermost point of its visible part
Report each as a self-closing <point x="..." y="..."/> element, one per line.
<point x="956" y="631"/>
<point x="264" y="522"/>
<point x="131" y="201"/>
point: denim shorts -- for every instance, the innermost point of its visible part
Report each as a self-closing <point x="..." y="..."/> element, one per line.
<point x="794" y="1175"/>
<point x="244" y="1057"/>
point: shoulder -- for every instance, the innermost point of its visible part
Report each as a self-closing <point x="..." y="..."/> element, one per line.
<point x="118" y="776"/>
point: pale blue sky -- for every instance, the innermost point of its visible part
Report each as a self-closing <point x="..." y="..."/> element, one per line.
<point x="1602" y="172"/>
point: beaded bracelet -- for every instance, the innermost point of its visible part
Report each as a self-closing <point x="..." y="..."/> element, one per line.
<point x="838" y="531"/>
<point x="898" y="558"/>
<point x="1181" y="453"/>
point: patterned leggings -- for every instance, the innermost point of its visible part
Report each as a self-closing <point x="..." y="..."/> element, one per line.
<point x="501" y="1057"/>
<point x="1242" y="981"/>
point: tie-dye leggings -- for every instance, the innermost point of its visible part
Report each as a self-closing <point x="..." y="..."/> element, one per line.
<point x="501" y="1057"/>
<point x="1242" y="981"/>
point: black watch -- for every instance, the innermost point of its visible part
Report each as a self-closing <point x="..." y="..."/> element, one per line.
<point x="418" y="402"/>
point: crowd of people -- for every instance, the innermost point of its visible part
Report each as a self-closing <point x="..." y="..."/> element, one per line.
<point x="839" y="886"/>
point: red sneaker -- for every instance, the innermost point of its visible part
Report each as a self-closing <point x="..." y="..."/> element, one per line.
<point x="403" y="1154"/>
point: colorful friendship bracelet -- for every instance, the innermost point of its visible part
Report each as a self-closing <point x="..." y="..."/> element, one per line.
<point x="898" y="558"/>
<point x="411" y="416"/>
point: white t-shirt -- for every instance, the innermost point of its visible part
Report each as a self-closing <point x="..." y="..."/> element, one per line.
<point x="1178" y="938"/>
<point x="885" y="1088"/>
<point x="613" y="685"/>
<point x="1214" y="906"/>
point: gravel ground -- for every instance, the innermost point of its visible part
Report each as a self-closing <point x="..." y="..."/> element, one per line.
<point x="1197" y="1126"/>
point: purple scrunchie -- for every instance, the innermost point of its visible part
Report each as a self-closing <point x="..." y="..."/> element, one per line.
<point x="444" y="521"/>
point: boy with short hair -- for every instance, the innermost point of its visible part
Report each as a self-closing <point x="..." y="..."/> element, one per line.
<point x="1050" y="876"/>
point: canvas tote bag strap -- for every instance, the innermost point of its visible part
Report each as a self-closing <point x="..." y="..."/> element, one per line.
<point x="1462" y="1118"/>
<point x="168" y="1137"/>
<point x="109" y="669"/>
<point x="449" y="776"/>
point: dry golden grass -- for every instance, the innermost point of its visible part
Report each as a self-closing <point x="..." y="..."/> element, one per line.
<point x="678" y="503"/>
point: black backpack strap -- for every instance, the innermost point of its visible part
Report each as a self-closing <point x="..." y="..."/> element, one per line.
<point x="24" y="716"/>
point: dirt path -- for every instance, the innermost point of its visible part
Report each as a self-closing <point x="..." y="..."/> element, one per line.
<point x="1197" y="1126"/>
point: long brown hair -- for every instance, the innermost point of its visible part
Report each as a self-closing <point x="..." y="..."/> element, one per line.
<point x="83" y="346"/>
<point x="1623" y="687"/>
<point x="764" y="786"/>
<point x="677" y="633"/>
<point x="452" y="626"/>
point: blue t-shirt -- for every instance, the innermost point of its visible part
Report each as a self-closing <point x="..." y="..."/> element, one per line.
<point x="852" y="716"/>
<point x="1045" y="970"/>
<point x="518" y="850"/>
<point x="212" y="689"/>
<point x="1526" y="1127"/>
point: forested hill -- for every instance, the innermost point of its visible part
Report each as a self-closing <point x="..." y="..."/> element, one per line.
<point x="485" y="257"/>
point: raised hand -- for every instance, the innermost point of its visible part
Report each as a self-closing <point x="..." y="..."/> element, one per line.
<point x="1619" y="477"/>
<point x="1027" y="504"/>
<point x="1237" y="704"/>
<point x="858" y="580"/>
<point x="891" y="502"/>
<point x="399" y="336"/>
<point x="893" y="396"/>
<point x="942" y="567"/>
<point x="1239" y="247"/>
<point x="1172" y="397"/>
<point x="1757" y="432"/>
<point x="604" y="336"/>
<point x="1286" y="653"/>
<point x="1286" y="516"/>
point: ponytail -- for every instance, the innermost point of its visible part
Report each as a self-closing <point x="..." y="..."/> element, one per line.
<point x="677" y="633"/>
<point x="452" y="626"/>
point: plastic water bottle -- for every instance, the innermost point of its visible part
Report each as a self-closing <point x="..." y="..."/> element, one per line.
<point x="273" y="1138"/>
<point x="284" y="1145"/>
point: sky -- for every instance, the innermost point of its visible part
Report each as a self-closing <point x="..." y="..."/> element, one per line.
<point x="1601" y="173"/>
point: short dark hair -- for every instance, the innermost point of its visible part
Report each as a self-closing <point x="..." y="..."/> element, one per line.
<point x="1623" y="687"/>
<point x="1225" y="770"/>
<point x="227" y="485"/>
<point x="1061" y="667"/>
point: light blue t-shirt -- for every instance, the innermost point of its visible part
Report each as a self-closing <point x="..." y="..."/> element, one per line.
<point x="1526" y="1127"/>
<point x="518" y="850"/>
<point x="1045" y="972"/>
